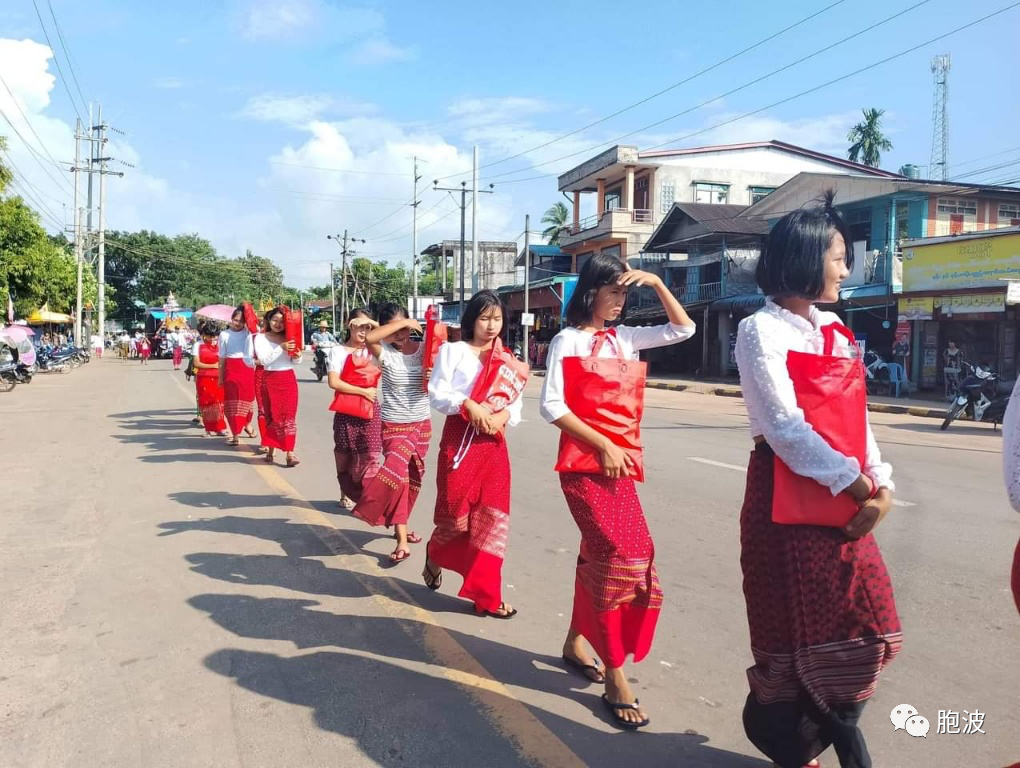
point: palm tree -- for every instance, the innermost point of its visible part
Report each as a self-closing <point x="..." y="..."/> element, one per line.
<point x="555" y="220"/>
<point x="867" y="143"/>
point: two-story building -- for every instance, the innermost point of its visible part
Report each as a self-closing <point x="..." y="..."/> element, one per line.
<point x="493" y="269"/>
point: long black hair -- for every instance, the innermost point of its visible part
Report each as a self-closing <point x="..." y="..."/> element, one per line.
<point x="601" y="269"/>
<point x="269" y="316"/>
<point x="390" y="311"/>
<point x="479" y="303"/>
<point x="792" y="262"/>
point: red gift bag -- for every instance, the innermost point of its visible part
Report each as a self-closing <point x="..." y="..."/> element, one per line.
<point x="251" y="320"/>
<point x="501" y="381"/>
<point x="358" y="371"/>
<point x="608" y="394"/>
<point x="831" y="391"/>
<point x="293" y="324"/>
<point x="436" y="333"/>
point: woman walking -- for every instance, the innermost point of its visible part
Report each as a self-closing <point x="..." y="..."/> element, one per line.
<point x="616" y="590"/>
<point x="207" y="384"/>
<point x="237" y="375"/>
<point x="145" y="349"/>
<point x="279" y="388"/>
<point x="388" y="499"/>
<point x="819" y="599"/>
<point x="472" y="516"/>
<point x="357" y="442"/>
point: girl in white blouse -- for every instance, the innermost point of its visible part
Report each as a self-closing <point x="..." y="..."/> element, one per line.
<point x="279" y="387"/>
<point x="819" y="600"/>
<point x="472" y="515"/>
<point x="1011" y="470"/>
<point x="616" y="595"/>
<point x="237" y="375"/>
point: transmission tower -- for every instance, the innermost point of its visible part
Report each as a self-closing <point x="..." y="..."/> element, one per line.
<point x="939" y="170"/>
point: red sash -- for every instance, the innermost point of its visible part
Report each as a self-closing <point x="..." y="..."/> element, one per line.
<point x="436" y="333"/>
<point x="293" y="325"/>
<point x="832" y="393"/>
<point x="607" y="394"/>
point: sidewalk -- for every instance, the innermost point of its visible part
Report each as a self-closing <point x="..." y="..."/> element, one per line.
<point x="932" y="409"/>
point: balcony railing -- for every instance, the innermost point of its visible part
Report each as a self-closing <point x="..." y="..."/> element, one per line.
<point x="614" y="217"/>
<point x="687" y="294"/>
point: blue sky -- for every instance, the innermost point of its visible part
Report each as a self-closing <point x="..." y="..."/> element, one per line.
<point x="223" y="103"/>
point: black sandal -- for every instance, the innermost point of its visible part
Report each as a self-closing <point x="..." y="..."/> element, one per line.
<point x="612" y="706"/>
<point x="497" y="614"/>
<point x="433" y="579"/>
<point x="587" y="670"/>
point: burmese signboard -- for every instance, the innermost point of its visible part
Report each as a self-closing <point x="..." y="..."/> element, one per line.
<point x="967" y="262"/>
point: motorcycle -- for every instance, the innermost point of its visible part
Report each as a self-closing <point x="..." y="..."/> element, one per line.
<point x="48" y="363"/>
<point x="8" y="368"/>
<point x="318" y="361"/>
<point x="876" y="372"/>
<point x="978" y="397"/>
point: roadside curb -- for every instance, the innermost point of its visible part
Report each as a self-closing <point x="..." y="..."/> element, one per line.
<point x="731" y="391"/>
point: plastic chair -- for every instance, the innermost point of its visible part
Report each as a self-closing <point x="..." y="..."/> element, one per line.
<point x="898" y="379"/>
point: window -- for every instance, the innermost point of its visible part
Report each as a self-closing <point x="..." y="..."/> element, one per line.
<point x="614" y="198"/>
<point x="957" y="205"/>
<point x="667" y="195"/>
<point x="1009" y="214"/>
<point x="760" y="193"/>
<point x="705" y="192"/>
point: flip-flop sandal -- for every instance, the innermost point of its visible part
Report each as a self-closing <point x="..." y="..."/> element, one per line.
<point x="612" y="706"/>
<point x="268" y="457"/>
<point x="293" y="462"/>
<point x="497" y="614"/>
<point x="412" y="537"/>
<point x="586" y="670"/>
<point x="399" y="555"/>
<point x="233" y="441"/>
<point x="433" y="580"/>
<point x="249" y="433"/>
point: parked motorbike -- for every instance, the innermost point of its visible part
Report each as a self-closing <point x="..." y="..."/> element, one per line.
<point x="978" y="397"/>
<point x="24" y="372"/>
<point x="48" y="363"/>
<point x="876" y="372"/>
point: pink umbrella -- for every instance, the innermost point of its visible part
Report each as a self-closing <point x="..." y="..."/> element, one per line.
<point x="16" y="332"/>
<point x="219" y="312"/>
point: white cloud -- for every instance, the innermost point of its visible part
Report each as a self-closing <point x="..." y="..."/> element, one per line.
<point x="301" y="110"/>
<point x="379" y="50"/>
<point x="304" y="20"/>
<point x="824" y="133"/>
<point x="168" y="83"/>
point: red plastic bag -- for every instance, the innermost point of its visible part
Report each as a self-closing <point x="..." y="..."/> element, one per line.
<point x="607" y="394"/>
<point x="436" y="333"/>
<point x="250" y="318"/>
<point x="831" y="391"/>
<point x="358" y="371"/>
<point x="501" y="381"/>
<point x="293" y="324"/>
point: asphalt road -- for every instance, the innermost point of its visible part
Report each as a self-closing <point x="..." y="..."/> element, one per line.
<point x="170" y="601"/>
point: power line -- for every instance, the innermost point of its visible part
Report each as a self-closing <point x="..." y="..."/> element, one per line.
<point x="755" y="81"/>
<point x="657" y="94"/>
<point x="335" y="170"/>
<point x="56" y="61"/>
<point x="67" y="53"/>
<point x="32" y="151"/>
<point x="788" y="99"/>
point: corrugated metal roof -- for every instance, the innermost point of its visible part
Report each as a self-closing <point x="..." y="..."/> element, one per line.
<point x="723" y="219"/>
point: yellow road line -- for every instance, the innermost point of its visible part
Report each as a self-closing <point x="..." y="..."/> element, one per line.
<point x="510" y="717"/>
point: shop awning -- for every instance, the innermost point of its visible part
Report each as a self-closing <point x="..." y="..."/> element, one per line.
<point x="873" y="291"/>
<point x="746" y="302"/>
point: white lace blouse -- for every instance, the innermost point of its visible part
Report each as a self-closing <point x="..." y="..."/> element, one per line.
<point x="237" y="344"/>
<point x="763" y="339"/>
<point x="453" y="378"/>
<point x="573" y="342"/>
<point x="1011" y="447"/>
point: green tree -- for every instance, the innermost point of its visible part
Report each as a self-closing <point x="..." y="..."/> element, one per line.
<point x="867" y="142"/>
<point x="555" y="220"/>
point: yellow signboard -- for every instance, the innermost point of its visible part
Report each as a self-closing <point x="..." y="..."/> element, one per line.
<point x="972" y="303"/>
<point x="970" y="263"/>
<point x="916" y="308"/>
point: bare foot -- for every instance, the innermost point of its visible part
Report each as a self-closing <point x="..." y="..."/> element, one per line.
<point x="575" y="650"/>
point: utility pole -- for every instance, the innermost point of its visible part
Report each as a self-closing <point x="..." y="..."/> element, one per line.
<point x="414" y="242"/>
<point x="475" y="258"/>
<point x="101" y="273"/>
<point x="342" y="241"/>
<point x="78" y="255"/>
<point x="463" y="209"/>
<point x="527" y="288"/>
<point x="332" y="291"/>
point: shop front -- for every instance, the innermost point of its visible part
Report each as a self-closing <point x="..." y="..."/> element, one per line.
<point x="547" y="301"/>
